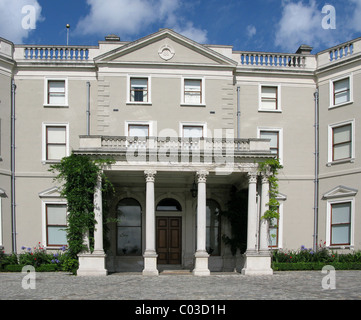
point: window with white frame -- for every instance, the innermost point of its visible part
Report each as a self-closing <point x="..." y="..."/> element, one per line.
<point x="138" y="130"/>
<point x="341" y="91"/>
<point x="269" y="98"/>
<point x="340" y="223"/>
<point x="139" y="89"/>
<point x="55" y="145"/>
<point x="341" y="141"/>
<point x="56" y="223"/>
<point x="275" y="137"/>
<point x="56" y="92"/>
<point x="193" y="131"/>
<point x="193" y="92"/>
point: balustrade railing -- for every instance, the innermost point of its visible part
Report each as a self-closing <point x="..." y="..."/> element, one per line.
<point x="205" y="144"/>
<point x="264" y="59"/>
<point x="56" y="53"/>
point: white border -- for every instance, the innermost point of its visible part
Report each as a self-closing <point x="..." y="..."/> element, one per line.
<point x="280" y="137"/>
<point x="46" y="81"/>
<point x="150" y="124"/>
<point x="331" y="82"/>
<point x="203" y="80"/>
<point x="52" y="124"/>
<point x="149" y="102"/>
<point x="279" y="103"/>
<point x="197" y="124"/>
<point x="353" y="141"/>
<point x="44" y="203"/>
<point x="328" y="222"/>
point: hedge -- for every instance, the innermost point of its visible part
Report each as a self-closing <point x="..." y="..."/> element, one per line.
<point x="41" y="268"/>
<point x="299" y="266"/>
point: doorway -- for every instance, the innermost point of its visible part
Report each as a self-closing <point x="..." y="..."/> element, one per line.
<point x="169" y="240"/>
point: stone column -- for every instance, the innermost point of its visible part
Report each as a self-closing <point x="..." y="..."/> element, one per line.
<point x="94" y="264"/>
<point x="264" y="223"/>
<point x="201" y="255"/>
<point x="252" y="214"/>
<point x="150" y="255"/>
<point x="256" y="263"/>
<point x="98" y="211"/>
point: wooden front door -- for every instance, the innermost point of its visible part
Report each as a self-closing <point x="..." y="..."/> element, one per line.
<point x="169" y="240"/>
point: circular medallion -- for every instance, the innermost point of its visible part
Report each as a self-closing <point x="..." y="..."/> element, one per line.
<point x="166" y="52"/>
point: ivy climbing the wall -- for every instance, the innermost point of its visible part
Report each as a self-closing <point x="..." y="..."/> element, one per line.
<point x="78" y="175"/>
<point x="271" y="167"/>
<point x="237" y="207"/>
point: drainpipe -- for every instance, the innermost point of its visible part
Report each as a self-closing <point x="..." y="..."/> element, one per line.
<point x="88" y="109"/>
<point x="13" y="205"/>
<point x="238" y="114"/>
<point x="315" y="232"/>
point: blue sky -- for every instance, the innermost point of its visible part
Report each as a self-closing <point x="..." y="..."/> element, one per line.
<point x="258" y="25"/>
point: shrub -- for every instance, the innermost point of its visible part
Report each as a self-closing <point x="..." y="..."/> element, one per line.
<point x="7" y="259"/>
<point x="307" y="259"/>
<point x="70" y="264"/>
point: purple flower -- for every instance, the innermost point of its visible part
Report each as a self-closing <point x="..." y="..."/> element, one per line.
<point x="23" y="248"/>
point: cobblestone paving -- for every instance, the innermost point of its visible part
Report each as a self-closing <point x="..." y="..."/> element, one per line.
<point x="229" y="286"/>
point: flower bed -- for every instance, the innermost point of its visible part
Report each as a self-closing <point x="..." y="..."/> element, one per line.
<point x="307" y="259"/>
<point x="40" y="259"/>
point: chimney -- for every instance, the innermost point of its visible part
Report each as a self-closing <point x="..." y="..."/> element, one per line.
<point x="112" y="37"/>
<point x="304" y="49"/>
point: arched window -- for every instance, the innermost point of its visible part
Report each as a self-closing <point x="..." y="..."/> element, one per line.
<point x="129" y="227"/>
<point x="169" y="205"/>
<point x="213" y="228"/>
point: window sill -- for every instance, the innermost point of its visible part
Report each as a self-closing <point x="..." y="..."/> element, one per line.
<point x="341" y="247"/>
<point x="56" y="106"/>
<point x="271" y="111"/>
<point x="50" y="161"/>
<point x="193" y="105"/>
<point x="332" y="163"/>
<point x="138" y="103"/>
<point x="340" y="104"/>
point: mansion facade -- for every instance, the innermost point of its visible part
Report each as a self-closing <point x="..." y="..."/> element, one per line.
<point x="186" y="125"/>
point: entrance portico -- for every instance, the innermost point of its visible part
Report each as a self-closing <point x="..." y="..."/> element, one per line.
<point x="148" y="182"/>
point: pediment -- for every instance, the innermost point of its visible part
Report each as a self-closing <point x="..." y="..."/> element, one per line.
<point x="340" y="192"/>
<point x="165" y="47"/>
<point x="53" y="192"/>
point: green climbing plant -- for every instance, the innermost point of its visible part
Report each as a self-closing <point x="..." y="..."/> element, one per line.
<point x="78" y="175"/>
<point x="271" y="167"/>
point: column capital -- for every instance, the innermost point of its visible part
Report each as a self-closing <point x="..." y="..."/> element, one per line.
<point x="252" y="177"/>
<point x="202" y="176"/>
<point x="150" y="175"/>
<point x="265" y="178"/>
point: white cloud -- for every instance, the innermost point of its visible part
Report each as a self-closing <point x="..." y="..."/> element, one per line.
<point x="13" y="19"/>
<point x="300" y="24"/>
<point x="131" y="17"/>
<point x="251" y="31"/>
<point x="355" y="22"/>
<point x="193" y="33"/>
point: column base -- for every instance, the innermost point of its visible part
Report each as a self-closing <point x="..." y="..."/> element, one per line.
<point x="201" y="264"/>
<point x="257" y="264"/>
<point x="92" y="264"/>
<point x="150" y="264"/>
